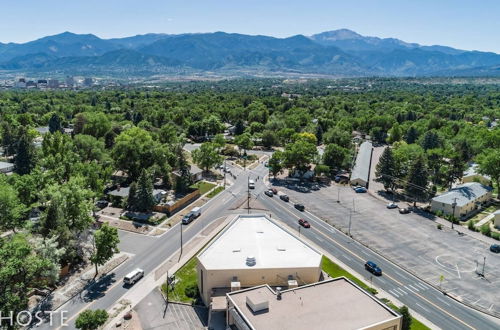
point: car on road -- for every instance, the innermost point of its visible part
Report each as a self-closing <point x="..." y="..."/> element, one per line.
<point x="392" y="206"/>
<point x="495" y="248"/>
<point x="373" y="268"/>
<point x="304" y="223"/>
<point x="251" y="184"/>
<point x="274" y="190"/>
<point x="360" y="189"/>
<point x="285" y="198"/>
<point x="188" y="218"/>
<point x="134" y="276"/>
<point x="404" y="210"/>
<point x="314" y="187"/>
<point x="269" y="193"/>
<point x="299" y="207"/>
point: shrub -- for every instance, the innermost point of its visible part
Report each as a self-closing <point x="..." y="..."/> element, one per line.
<point x="470" y="225"/>
<point x="439" y="226"/>
<point x="191" y="290"/>
<point x="495" y="236"/>
<point x="485" y="229"/>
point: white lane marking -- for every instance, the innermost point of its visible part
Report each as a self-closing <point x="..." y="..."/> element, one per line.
<point x="425" y="287"/>
<point x="443" y="301"/>
<point x="394" y="293"/>
<point x="347" y="257"/>
<point x="403" y="292"/>
<point x="475" y="302"/>
<point x="425" y="309"/>
<point x="410" y="290"/>
<point x="320" y="239"/>
<point x="491" y="307"/>
<point x="399" y="273"/>
<point x="381" y="280"/>
<point x="411" y="286"/>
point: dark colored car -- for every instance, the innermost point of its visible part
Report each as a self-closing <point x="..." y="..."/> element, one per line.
<point x="101" y="204"/>
<point x="299" y="207"/>
<point x="404" y="210"/>
<point x="360" y="190"/>
<point x="373" y="268"/>
<point x="304" y="223"/>
<point x="274" y="190"/>
<point x="285" y="198"/>
<point x="495" y="248"/>
<point x="269" y="193"/>
<point x="341" y="179"/>
<point x="188" y="218"/>
<point x="315" y="187"/>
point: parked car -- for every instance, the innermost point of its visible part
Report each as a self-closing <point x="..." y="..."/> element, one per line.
<point x="392" y="206"/>
<point x="360" y="190"/>
<point x="299" y="207"/>
<point x="188" y="218"/>
<point x="373" y="268"/>
<point x="404" y="210"/>
<point x="269" y="193"/>
<point x="341" y="179"/>
<point x="315" y="187"/>
<point x="101" y="204"/>
<point x="302" y="189"/>
<point x="495" y="248"/>
<point x="285" y="198"/>
<point x="304" y="223"/>
<point x="133" y="277"/>
<point x="274" y="190"/>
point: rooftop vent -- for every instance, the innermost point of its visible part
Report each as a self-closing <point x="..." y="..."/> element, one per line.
<point x="236" y="250"/>
<point x="278" y="293"/>
<point x="281" y="248"/>
<point x="251" y="261"/>
<point x="257" y="303"/>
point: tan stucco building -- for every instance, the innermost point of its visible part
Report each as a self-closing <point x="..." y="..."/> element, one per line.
<point x="253" y="250"/>
<point x="468" y="197"/>
<point x="332" y="304"/>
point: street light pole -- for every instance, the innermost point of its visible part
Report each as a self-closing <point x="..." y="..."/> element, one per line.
<point x="338" y="194"/>
<point x="350" y="218"/>
<point x="484" y="264"/>
<point x="180" y="226"/>
<point x="225" y="171"/>
<point x="453" y="215"/>
<point x="248" y="193"/>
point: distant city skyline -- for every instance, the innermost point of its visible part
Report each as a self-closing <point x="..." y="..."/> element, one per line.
<point x="463" y="24"/>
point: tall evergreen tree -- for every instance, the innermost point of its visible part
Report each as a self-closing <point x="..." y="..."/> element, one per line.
<point x="386" y="169"/>
<point x="55" y="124"/>
<point x="145" y="199"/>
<point x="411" y="135"/>
<point x="184" y="180"/>
<point x="25" y="157"/>
<point x="407" y="318"/>
<point x="418" y="179"/>
<point x="132" y="197"/>
<point x="319" y="134"/>
<point x="430" y="141"/>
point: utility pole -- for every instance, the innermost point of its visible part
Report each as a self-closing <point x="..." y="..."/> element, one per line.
<point x="350" y="218"/>
<point x="299" y="230"/>
<point x="180" y="226"/>
<point x="353" y="209"/>
<point x="484" y="264"/>
<point x="248" y="193"/>
<point x="338" y="194"/>
<point x="225" y="171"/>
<point x="453" y="215"/>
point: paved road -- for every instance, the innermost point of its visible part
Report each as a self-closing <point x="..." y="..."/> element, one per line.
<point x="151" y="252"/>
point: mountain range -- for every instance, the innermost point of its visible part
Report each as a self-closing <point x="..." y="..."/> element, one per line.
<point x="341" y="53"/>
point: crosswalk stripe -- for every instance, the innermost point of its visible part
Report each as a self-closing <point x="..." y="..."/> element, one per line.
<point x="423" y="286"/>
<point x="393" y="292"/>
<point x="401" y="290"/>
<point x="413" y="287"/>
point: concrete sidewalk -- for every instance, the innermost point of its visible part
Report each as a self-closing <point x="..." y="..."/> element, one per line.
<point x="157" y="277"/>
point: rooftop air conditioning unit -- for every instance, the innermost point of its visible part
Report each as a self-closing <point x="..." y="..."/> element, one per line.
<point x="235" y="286"/>
<point x="257" y="303"/>
<point x="292" y="284"/>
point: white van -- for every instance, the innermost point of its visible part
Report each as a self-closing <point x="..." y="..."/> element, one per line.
<point x="196" y="211"/>
<point x="251" y="184"/>
<point x="133" y="276"/>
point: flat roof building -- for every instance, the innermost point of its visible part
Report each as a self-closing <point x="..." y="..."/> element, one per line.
<point x="253" y="250"/>
<point x="468" y="197"/>
<point x="332" y="304"/>
<point x="361" y="171"/>
<point x="6" y="167"/>
<point x="472" y="175"/>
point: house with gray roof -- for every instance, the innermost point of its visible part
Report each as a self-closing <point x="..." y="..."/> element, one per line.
<point x="468" y="197"/>
<point x="6" y="167"/>
<point x="361" y="172"/>
<point x="122" y="193"/>
<point x="472" y="174"/>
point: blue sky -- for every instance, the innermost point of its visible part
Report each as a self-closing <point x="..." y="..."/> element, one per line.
<point x="458" y="23"/>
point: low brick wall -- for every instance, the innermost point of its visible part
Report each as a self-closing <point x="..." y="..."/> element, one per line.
<point x="173" y="208"/>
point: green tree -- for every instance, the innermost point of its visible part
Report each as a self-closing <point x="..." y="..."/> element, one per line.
<point x="11" y="209"/>
<point x="276" y="163"/>
<point x="91" y="319"/>
<point x="55" y="124"/>
<point x="386" y="169"/>
<point x="417" y="179"/>
<point x="300" y="154"/>
<point x="105" y="245"/>
<point x="48" y="248"/>
<point x="411" y="135"/>
<point x="145" y="199"/>
<point x="395" y="134"/>
<point x="430" y="140"/>
<point x="335" y="156"/>
<point x="269" y="139"/>
<point x="24" y="161"/>
<point x="135" y="150"/>
<point x="96" y="124"/>
<point x="244" y="141"/>
<point x="184" y="180"/>
<point x="407" y="318"/>
<point x="132" y="204"/>
<point x="207" y="156"/>
<point x="488" y="164"/>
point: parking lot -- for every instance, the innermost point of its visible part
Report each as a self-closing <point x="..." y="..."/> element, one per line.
<point x="441" y="257"/>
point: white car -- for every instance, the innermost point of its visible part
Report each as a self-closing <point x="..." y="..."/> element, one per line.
<point x="392" y="206"/>
<point x="133" y="276"/>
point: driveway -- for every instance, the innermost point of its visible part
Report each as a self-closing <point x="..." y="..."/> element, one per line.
<point x="413" y="242"/>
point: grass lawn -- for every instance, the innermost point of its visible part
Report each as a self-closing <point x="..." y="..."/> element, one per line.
<point x="203" y="186"/>
<point x="335" y="270"/>
<point x="214" y="192"/>
<point x="185" y="277"/>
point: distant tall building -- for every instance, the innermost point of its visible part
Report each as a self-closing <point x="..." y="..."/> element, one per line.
<point x="70" y="81"/>
<point x="88" y="82"/>
<point x="42" y="83"/>
<point x="53" y="83"/>
<point x="21" y="83"/>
